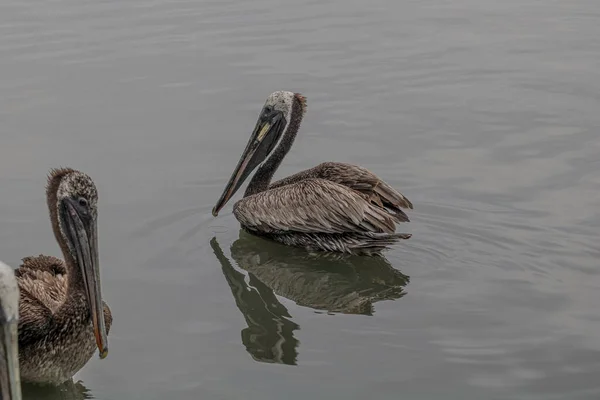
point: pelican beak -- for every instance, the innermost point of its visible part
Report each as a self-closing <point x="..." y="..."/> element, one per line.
<point x="83" y="233"/>
<point x="266" y="134"/>
<point x="9" y="370"/>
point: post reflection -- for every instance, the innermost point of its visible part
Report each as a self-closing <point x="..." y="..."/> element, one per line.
<point x="322" y="281"/>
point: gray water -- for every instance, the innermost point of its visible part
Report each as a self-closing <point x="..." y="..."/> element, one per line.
<point x="485" y="114"/>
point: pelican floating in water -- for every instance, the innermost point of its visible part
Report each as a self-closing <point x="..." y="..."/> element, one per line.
<point x="62" y="315"/>
<point x="331" y="207"/>
<point x="10" y="384"/>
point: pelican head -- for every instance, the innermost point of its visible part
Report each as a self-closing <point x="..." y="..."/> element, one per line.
<point x="10" y="382"/>
<point x="273" y="122"/>
<point x="76" y="210"/>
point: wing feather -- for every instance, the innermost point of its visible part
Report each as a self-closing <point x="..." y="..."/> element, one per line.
<point x="44" y="278"/>
<point x="43" y="287"/>
<point x="311" y="206"/>
<point x="369" y="185"/>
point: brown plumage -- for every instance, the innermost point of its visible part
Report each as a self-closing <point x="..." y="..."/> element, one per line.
<point x="57" y="320"/>
<point x="333" y="206"/>
<point x="360" y="180"/>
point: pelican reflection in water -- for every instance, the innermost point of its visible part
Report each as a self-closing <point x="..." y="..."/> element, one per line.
<point x="62" y="316"/>
<point x="322" y="281"/>
<point x="332" y="207"/>
<point x="10" y="385"/>
<point x="68" y="390"/>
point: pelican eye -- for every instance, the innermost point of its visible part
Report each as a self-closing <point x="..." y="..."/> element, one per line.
<point x="267" y="112"/>
<point x="83" y="202"/>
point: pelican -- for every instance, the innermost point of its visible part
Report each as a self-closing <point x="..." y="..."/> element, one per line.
<point x="63" y="318"/>
<point x="10" y="385"/>
<point x="332" y="207"/>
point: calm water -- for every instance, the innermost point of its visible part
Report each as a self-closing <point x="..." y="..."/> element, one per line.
<point x="486" y="114"/>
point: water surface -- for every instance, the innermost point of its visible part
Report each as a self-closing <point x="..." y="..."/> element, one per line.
<point x="483" y="113"/>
